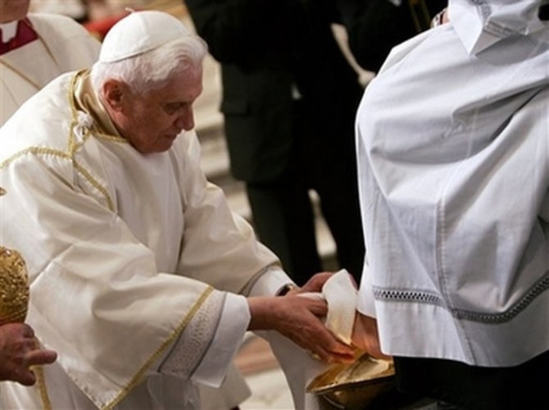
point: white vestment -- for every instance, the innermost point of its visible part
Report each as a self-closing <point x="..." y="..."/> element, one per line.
<point x="122" y="250"/>
<point x="452" y="144"/>
<point x="62" y="45"/>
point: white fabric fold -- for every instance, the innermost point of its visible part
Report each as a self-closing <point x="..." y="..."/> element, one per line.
<point x="341" y="296"/>
<point x="482" y="23"/>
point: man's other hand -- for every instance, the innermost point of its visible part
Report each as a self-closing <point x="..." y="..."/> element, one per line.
<point x="365" y="336"/>
<point x="297" y="318"/>
<point x="316" y="283"/>
<point x="18" y="351"/>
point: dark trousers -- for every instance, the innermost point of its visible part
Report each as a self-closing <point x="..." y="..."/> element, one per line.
<point x="464" y="387"/>
<point x="282" y="211"/>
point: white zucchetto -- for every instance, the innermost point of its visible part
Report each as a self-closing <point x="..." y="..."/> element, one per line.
<point x="140" y="32"/>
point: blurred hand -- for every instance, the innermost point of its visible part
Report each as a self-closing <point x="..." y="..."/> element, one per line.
<point x="314" y="284"/>
<point x="296" y="318"/>
<point x="445" y="17"/>
<point x="365" y="336"/>
<point x="18" y="351"/>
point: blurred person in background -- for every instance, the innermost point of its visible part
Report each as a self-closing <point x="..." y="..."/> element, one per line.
<point x="289" y="102"/>
<point x="374" y="27"/>
<point x="36" y="48"/>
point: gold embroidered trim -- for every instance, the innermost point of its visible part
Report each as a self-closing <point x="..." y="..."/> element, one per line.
<point x="72" y="147"/>
<point x="139" y="375"/>
<point x="79" y="144"/>
<point x="84" y="172"/>
<point x="35" y="151"/>
<point x="79" y="168"/>
<point x="112" y="138"/>
<point x="74" y="122"/>
<point x="41" y="381"/>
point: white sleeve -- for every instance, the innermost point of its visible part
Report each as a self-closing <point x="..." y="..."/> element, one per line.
<point x="233" y="323"/>
<point x="212" y="367"/>
<point x="270" y="283"/>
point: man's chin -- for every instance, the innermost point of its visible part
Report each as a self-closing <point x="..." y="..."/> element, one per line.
<point x="165" y="144"/>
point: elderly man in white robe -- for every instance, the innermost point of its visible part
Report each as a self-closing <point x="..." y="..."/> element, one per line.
<point x="36" y="48"/>
<point x="452" y="141"/>
<point x="138" y="268"/>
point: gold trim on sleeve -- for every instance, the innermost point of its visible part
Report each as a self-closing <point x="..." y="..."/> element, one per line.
<point x="140" y="373"/>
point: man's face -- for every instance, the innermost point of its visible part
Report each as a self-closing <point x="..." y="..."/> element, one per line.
<point x="11" y="10"/>
<point x="152" y="121"/>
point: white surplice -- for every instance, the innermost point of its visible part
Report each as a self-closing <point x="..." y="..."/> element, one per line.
<point x="62" y="45"/>
<point x="452" y="143"/>
<point x="122" y="251"/>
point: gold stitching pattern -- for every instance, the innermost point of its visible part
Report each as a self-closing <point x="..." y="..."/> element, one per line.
<point x="112" y="138"/>
<point x="74" y="122"/>
<point x="84" y="139"/>
<point x="72" y="146"/>
<point x="139" y="375"/>
<point x="46" y="403"/>
<point x="35" y="151"/>
<point x="84" y="172"/>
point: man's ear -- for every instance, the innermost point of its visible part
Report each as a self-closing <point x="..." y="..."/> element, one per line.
<point x="115" y="94"/>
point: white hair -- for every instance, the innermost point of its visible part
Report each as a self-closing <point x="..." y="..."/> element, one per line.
<point x="153" y="69"/>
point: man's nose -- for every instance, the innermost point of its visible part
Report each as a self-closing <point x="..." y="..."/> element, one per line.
<point x="185" y="121"/>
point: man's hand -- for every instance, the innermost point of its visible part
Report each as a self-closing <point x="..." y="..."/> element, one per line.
<point x="313" y="285"/>
<point x="316" y="282"/>
<point x="18" y="351"/>
<point x="365" y="336"/>
<point x="296" y="317"/>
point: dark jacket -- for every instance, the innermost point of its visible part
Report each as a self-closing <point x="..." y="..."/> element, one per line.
<point x="376" y="26"/>
<point x="266" y="48"/>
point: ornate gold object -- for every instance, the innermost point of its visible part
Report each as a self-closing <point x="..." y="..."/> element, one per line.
<point x="14" y="287"/>
<point x="355" y="385"/>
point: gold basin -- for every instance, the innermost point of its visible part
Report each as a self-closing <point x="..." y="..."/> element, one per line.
<point x="356" y="385"/>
